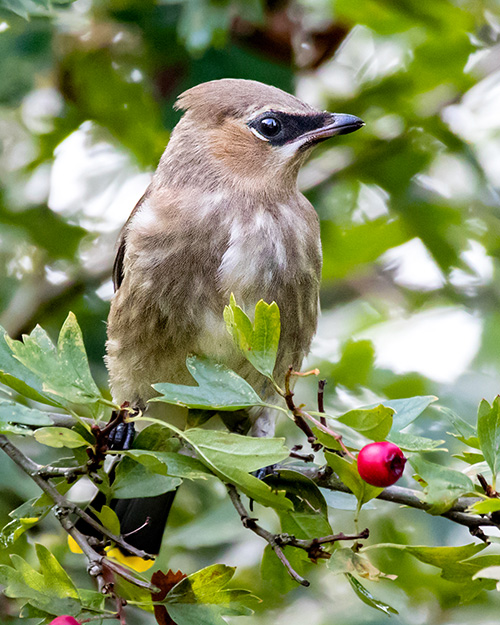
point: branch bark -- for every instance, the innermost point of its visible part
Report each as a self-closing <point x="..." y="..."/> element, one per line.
<point x="407" y="497"/>
<point x="63" y="508"/>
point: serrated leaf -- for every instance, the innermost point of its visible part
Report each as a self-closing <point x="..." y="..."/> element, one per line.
<point x="241" y="451"/>
<point x="488" y="433"/>
<point x="348" y="473"/>
<point x="485" y="506"/>
<point x="470" y="457"/>
<point x="257" y="342"/>
<point x="218" y="388"/>
<point x="202" y="597"/>
<point x="19" y="378"/>
<point x="64" y="371"/>
<point x="374" y="423"/>
<point x="457" y="564"/>
<point x="443" y="485"/>
<point x="368" y="598"/>
<point x="49" y="589"/>
<point x="410" y="442"/>
<point x="60" y="437"/>
<point x="466" y="432"/>
<point x="13" y="413"/>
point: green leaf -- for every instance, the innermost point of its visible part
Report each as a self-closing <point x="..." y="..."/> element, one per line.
<point x="134" y="480"/>
<point x="443" y="485"/>
<point x="156" y="437"/>
<point x="12" y="413"/>
<point x="16" y="528"/>
<point x="309" y="517"/>
<point x="346" y="560"/>
<point x="374" y="423"/>
<point x="20" y="378"/>
<point x="229" y="456"/>
<point x="108" y="519"/>
<point x="368" y="598"/>
<point x="490" y="572"/>
<point x="485" y="506"/>
<point x="457" y="564"/>
<point x="64" y="371"/>
<point x="248" y="453"/>
<point x="343" y="501"/>
<point x="50" y="589"/>
<point x="218" y="388"/>
<point x="488" y="433"/>
<point x="258" y="343"/>
<point x="274" y="573"/>
<point x="60" y="437"/>
<point x="202" y="597"/>
<point x="169" y="463"/>
<point x="91" y="600"/>
<point x="466" y="432"/>
<point x="348" y="473"/>
<point x="410" y="442"/>
<point x="408" y="409"/>
<point x="470" y="457"/>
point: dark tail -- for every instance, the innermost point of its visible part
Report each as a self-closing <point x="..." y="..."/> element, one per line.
<point x="143" y="521"/>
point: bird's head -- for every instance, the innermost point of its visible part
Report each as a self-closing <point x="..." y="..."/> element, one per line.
<point x="247" y="134"/>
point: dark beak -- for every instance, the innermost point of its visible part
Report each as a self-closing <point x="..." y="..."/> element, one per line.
<point x="336" y="124"/>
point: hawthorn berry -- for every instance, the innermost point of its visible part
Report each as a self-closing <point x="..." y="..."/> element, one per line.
<point x="64" y="620"/>
<point x="381" y="463"/>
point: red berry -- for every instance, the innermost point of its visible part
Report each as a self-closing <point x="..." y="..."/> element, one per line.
<point x="64" y="620"/>
<point x="381" y="464"/>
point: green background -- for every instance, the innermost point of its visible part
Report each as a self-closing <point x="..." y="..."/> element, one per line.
<point x="409" y="210"/>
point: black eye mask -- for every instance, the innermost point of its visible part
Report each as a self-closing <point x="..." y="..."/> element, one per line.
<point x="279" y="128"/>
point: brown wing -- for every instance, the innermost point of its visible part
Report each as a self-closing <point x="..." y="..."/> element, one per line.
<point x="118" y="264"/>
<point x="118" y="270"/>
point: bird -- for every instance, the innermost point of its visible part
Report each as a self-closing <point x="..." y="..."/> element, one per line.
<point x="222" y="215"/>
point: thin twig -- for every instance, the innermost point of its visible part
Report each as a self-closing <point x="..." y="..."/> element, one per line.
<point x="298" y="417"/>
<point x="32" y="469"/>
<point x="252" y="525"/>
<point x="489" y="491"/>
<point x="312" y="546"/>
<point x="321" y="400"/>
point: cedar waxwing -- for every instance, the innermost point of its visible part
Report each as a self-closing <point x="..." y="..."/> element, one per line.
<point x="222" y="215"/>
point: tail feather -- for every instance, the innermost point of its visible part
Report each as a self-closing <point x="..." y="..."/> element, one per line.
<point x="142" y="521"/>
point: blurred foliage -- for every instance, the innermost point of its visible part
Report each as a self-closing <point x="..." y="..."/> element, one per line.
<point x="409" y="210"/>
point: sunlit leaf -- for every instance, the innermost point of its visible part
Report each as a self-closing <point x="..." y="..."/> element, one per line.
<point x="218" y="388"/>
<point x="258" y="342"/>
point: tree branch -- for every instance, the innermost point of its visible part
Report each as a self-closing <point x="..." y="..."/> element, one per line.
<point x="407" y="497"/>
<point x="64" y="507"/>
<point x="277" y="541"/>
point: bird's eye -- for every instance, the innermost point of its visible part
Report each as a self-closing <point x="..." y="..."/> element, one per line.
<point x="269" y="127"/>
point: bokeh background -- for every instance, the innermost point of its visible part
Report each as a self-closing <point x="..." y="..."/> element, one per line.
<point x="409" y="209"/>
